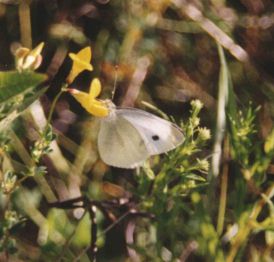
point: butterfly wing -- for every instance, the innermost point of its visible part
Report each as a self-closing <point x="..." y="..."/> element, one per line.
<point x="159" y="135"/>
<point x="120" y="144"/>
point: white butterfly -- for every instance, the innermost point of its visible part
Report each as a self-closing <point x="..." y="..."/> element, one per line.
<point x="128" y="136"/>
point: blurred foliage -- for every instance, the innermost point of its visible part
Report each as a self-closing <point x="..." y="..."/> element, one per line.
<point x="208" y="64"/>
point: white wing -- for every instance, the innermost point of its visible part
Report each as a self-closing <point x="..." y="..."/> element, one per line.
<point x="159" y="135"/>
<point x="120" y="144"/>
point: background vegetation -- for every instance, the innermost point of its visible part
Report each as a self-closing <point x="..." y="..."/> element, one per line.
<point x="211" y="199"/>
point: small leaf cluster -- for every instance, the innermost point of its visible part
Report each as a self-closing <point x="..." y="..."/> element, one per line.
<point x="252" y="154"/>
<point x="172" y="192"/>
<point x="42" y="146"/>
<point x="8" y="182"/>
<point x="7" y="224"/>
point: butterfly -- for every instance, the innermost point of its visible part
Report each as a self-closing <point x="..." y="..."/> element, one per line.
<point x="127" y="136"/>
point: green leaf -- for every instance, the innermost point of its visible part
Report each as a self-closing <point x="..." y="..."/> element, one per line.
<point x="13" y="83"/>
<point x="17" y="92"/>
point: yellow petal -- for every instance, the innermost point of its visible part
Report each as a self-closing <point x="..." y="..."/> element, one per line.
<point x="80" y="62"/>
<point x="37" y="50"/>
<point x="93" y="106"/>
<point x="80" y="96"/>
<point x="82" y="58"/>
<point x="95" y="88"/>
<point x="27" y="59"/>
<point x="98" y="108"/>
<point x="84" y="54"/>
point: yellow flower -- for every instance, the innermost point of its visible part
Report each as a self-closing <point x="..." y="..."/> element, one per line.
<point x="80" y="62"/>
<point x="27" y="59"/>
<point x="89" y="101"/>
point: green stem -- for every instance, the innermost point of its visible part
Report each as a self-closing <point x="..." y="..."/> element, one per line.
<point x="223" y="194"/>
<point x="63" y="89"/>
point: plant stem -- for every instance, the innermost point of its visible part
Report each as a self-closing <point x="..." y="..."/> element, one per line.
<point x="54" y="104"/>
<point x="223" y="197"/>
<point x="25" y="23"/>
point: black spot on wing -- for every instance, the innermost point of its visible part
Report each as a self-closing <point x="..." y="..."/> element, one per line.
<point x="155" y="138"/>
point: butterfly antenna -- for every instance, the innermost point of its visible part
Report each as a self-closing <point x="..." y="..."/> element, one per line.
<point x="115" y="83"/>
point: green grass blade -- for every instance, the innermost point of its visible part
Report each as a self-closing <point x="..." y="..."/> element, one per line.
<point x="221" y="113"/>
